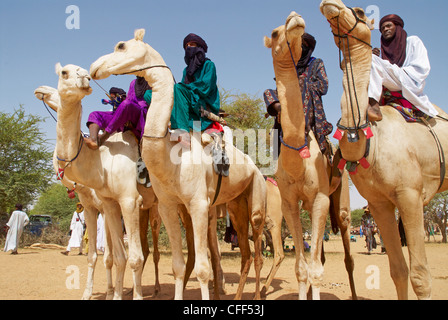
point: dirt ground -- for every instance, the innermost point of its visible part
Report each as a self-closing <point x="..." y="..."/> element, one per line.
<point x="45" y="274"/>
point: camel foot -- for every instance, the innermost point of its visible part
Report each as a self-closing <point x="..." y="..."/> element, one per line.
<point x="374" y="111"/>
<point x="91" y="144"/>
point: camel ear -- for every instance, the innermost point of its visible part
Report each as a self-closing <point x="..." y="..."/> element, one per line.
<point x="58" y="68"/>
<point x="139" y="34"/>
<point x="267" y="42"/>
<point x="371" y="24"/>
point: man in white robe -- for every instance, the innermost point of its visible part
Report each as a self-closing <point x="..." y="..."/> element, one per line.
<point x="15" y="225"/>
<point x="77" y="229"/>
<point x="403" y="66"/>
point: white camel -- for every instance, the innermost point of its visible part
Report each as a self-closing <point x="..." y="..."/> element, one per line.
<point x="110" y="171"/>
<point x="92" y="205"/>
<point x="189" y="182"/>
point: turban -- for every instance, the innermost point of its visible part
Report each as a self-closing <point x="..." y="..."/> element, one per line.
<point x="307" y="51"/>
<point x="197" y="39"/>
<point x="394" y="50"/>
<point x="117" y="91"/>
<point x="394" y="19"/>
<point x="194" y="56"/>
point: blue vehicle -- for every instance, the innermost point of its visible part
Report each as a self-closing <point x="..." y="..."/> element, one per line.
<point x="38" y="223"/>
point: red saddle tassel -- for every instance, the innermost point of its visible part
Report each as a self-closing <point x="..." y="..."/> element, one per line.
<point x="60" y="174"/>
<point x="305" y="153"/>
<point x="338" y="134"/>
<point x="368" y="132"/>
<point x="364" y="163"/>
<point x="342" y="164"/>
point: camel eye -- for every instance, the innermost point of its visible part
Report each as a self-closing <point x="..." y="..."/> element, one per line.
<point x="121" y="46"/>
<point x="274" y="35"/>
<point x="360" y="13"/>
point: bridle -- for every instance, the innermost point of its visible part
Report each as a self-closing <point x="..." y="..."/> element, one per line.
<point x="344" y="43"/>
<point x="303" y="150"/>
<point x="352" y="132"/>
<point x="143" y="69"/>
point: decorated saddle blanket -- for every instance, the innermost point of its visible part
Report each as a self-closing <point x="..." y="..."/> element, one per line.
<point x="396" y="100"/>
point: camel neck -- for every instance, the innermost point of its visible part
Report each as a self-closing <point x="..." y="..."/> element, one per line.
<point x="290" y="96"/>
<point x="159" y="113"/>
<point x="356" y="68"/>
<point x="355" y="101"/>
<point x="68" y="129"/>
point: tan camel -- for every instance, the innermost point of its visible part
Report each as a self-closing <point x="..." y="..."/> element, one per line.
<point x="177" y="175"/>
<point x="403" y="172"/>
<point x="113" y="181"/>
<point x="301" y="174"/>
<point x="340" y="220"/>
<point x="92" y="205"/>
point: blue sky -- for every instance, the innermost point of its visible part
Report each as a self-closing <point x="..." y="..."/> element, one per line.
<point x="34" y="37"/>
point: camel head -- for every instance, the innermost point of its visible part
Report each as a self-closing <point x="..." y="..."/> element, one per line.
<point x="49" y="95"/>
<point x="128" y="56"/>
<point x="345" y="20"/>
<point x="74" y="82"/>
<point x="290" y="33"/>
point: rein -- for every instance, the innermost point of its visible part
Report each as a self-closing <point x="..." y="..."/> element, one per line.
<point x="146" y="68"/>
<point x="143" y="69"/>
<point x="60" y="174"/>
<point x="352" y="132"/>
<point x="303" y="150"/>
<point x="343" y="45"/>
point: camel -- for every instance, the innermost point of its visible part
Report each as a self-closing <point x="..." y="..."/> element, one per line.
<point x="321" y="190"/>
<point x="92" y="205"/>
<point x="188" y="182"/>
<point x="110" y="172"/>
<point x="301" y="172"/>
<point x="403" y="172"/>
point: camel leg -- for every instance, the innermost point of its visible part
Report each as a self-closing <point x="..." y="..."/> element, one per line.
<point x="238" y="213"/>
<point x="218" y="277"/>
<point x="108" y="259"/>
<point x="291" y="212"/>
<point x="384" y="215"/>
<point x="91" y="222"/>
<point x="168" y="213"/>
<point x="113" y="224"/>
<point x="199" y="217"/>
<point x="189" y="236"/>
<point x="279" y="255"/>
<point x="319" y="217"/>
<point x="257" y="210"/>
<point x="340" y="201"/>
<point x="156" y="222"/>
<point x="130" y="209"/>
<point x="144" y="224"/>
<point x="410" y="206"/>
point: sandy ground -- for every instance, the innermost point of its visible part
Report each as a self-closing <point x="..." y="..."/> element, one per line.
<point x="45" y="274"/>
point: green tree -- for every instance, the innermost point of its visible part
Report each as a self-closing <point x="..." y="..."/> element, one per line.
<point x="55" y="202"/>
<point x="251" y="127"/>
<point x="25" y="159"/>
<point x="246" y="111"/>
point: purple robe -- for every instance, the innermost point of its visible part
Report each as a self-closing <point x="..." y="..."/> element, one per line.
<point x="132" y="110"/>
